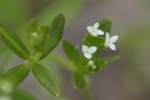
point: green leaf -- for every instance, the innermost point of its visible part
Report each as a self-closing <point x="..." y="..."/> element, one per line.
<point x="46" y="78"/>
<point x="93" y="41"/>
<point x="56" y="32"/>
<point x="33" y="26"/>
<point x="81" y="81"/>
<point x="105" y="25"/>
<point x="20" y="94"/>
<point x="72" y="53"/>
<point x="16" y="75"/>
<point x="14" y="43"/>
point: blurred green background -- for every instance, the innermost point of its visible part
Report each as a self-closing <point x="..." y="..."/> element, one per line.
<point x="127" y="79"/>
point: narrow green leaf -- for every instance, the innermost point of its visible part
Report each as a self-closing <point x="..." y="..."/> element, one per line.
<point x="81" y="81"/>
<point x="20" y="94"/>
<point x="56" y="32"/>
<point x="14" y="43"/>
<point x="105" y="25"/>
<point x="46" y="78"/>
<point x="93" y="41"/>
<point x="71" y="51"/>
<point x="33" y="26"/>
<point x="17" y="74"/>
<point x="12" y="78"/>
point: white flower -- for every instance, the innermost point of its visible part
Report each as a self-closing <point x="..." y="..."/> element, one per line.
<point x="88" y="51"/>
<point x="94" y="31"/>
<point x="109" y="41"/>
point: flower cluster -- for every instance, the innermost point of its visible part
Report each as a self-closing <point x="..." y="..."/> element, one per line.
<point x="109" y="42"/>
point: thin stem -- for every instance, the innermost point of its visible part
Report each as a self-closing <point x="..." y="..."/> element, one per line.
<point x="62" y="61"/>
<point x="87" y="94"/>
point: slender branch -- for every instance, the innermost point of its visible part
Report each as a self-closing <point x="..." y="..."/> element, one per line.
<point x="66" y="64"/>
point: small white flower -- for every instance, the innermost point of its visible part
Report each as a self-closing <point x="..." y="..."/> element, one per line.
<point x="109" y="41"/>
<point x="94" y="31"/>
<point x="88" y="51"/>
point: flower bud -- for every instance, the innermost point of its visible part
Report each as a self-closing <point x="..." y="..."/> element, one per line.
<point x="38" y="38"/>
<point x="6" y="87"/>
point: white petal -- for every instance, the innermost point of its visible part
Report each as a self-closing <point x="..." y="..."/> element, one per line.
<point x="94" y="34"/>
<point x="87" y="55"/>
<point x="113" y="39"/>
<point x="90" y="29"/>
<point x="106" y="44"/>
<point x="92" y="49"/>
<point x="84" y="48"/>
<point x="112" y="47"/>
<point x="107" y="36"/>
<point x="100" y="32"/>
<point x="96" y="25"/>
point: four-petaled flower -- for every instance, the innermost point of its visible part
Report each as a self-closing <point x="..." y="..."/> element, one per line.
<point x="109" y="41"/>
<point x="88" y="51"/>
<point x="94" y="30"/>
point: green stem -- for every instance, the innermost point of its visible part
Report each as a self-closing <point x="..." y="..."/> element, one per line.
<point x="87" y="94"/>
<point x="62" y="61"/>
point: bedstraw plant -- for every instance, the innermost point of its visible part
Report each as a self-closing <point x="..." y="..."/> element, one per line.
<point x="42" y="40"/>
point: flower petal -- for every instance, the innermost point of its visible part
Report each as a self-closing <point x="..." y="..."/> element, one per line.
<point x="100" y="32"/>
<point x="112" y="47"/>
<point x="106" y="44"/>
<point x="92" y="49"/>
<point x="84" y="48"/>
<point x="91" y="30"/>
<point x="107" y="36"/>
<point x="113" y="39"/>
<point x="96" y="25"/>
